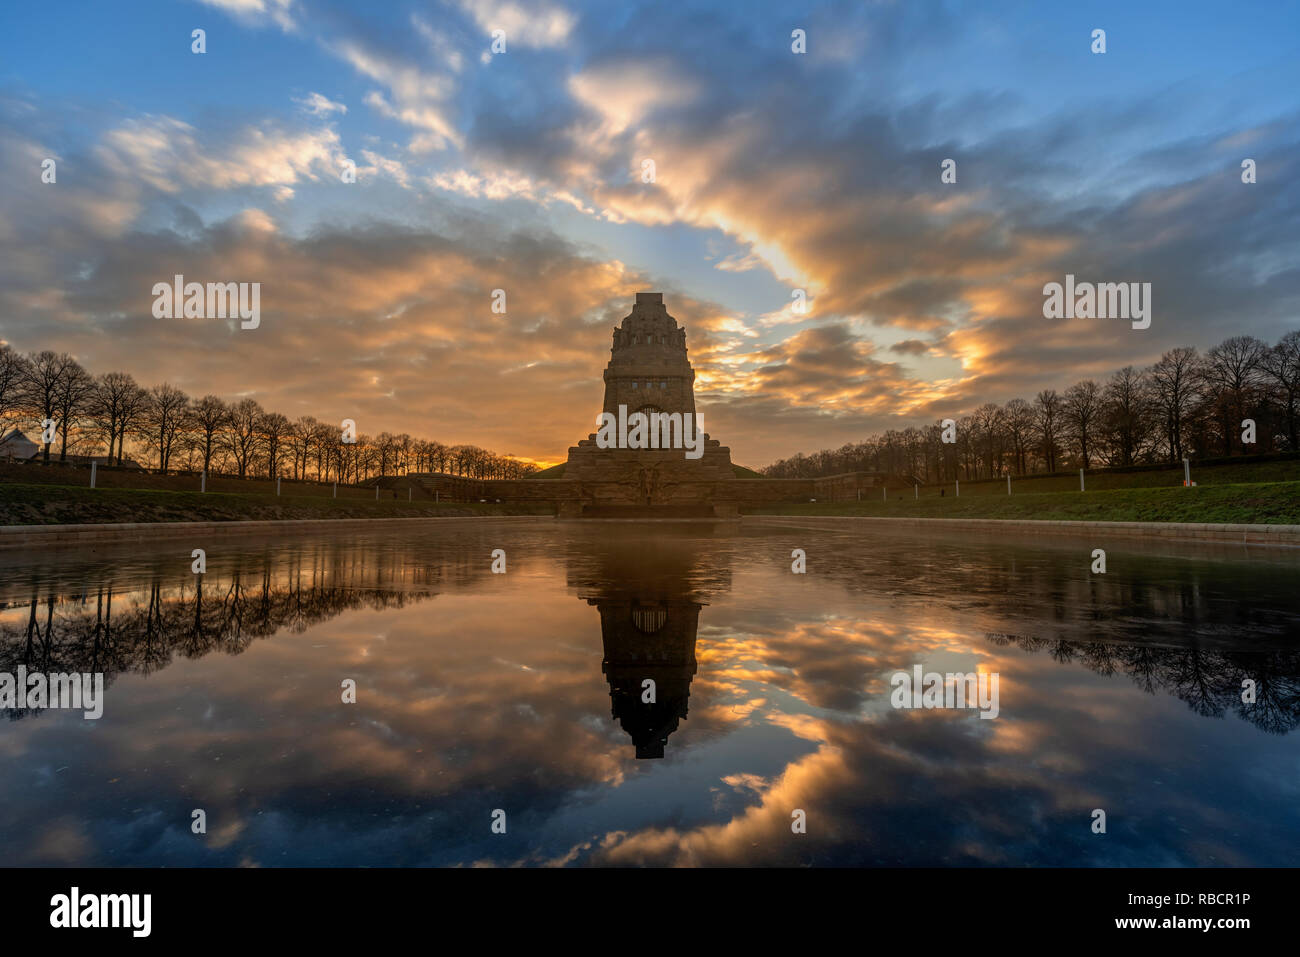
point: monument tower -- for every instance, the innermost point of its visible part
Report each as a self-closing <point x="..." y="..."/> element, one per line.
<point x="649" y="371"/>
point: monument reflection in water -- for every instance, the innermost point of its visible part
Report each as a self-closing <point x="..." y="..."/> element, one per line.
<point x="649" y="600"/>
<point x="479" y="691"/>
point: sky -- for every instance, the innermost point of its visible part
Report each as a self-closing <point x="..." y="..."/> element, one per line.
<point x="522" y="170"/>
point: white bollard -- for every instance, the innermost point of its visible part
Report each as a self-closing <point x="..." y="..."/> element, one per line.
<point x="336" y="489"/>
<point x="917" y="490"/>
<point x="1187" y="472"/>
<point x="92" y="474"/>
<point x="958" y="481"/>
<point x="203" y="481"/>
<point x="277" y="485"/>
<point x="376" y="493"/>
<point x="884" y="495"/>
<point x="1081" y="488"/>
<point x="1008" y="483"/>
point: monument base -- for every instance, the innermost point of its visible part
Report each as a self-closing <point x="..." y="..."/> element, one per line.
<point x="632" y="512"/>
<point x="647" y="483"/>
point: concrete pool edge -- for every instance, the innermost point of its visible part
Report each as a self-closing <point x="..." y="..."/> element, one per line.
<point x="13" y="536"/>
<point x="1278" y="535"/>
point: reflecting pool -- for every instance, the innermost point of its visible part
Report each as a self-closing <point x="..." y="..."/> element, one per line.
<point x="652" y="693"/>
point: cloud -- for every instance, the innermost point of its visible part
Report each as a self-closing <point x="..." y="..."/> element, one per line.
<point x="826" y="367"/>
<point x="253" y="220"/>
<point x="73" y="204"/>
<point x="319" y="105"/>
<point x="258" y="12"/>
<point x="167" y="154"/>
<point x="417" y="97"/>
<point x="389" y="167"/>
<point x="388" y="325"/>
<point x="622" y="92"/>
<point x="848" y="205"/>
<point x="503" y="184"/>
<point x="740" y="262"/>
<point x="440" y="45"/>
<point x="911" y="347"/>
<point x="539" y="24"/>
<point x="818" y="173"/>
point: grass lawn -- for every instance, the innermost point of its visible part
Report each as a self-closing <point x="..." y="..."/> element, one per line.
<point x="1245" y="472"/>
<point x="1266" y="493"/>
<point x="1260" y="503"/>
<point x="62" y="504"/>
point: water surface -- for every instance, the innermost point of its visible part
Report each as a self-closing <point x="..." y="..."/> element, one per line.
<point x="523" y="692"/>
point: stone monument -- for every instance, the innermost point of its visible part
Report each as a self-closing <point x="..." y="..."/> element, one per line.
<point x="649" y="372"/>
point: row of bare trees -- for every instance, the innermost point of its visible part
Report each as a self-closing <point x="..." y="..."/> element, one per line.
<point x="1187" y="404"/>
<point x="173" y="431"/>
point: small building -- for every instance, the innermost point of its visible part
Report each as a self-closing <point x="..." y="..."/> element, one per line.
<point x="17" y="447"/>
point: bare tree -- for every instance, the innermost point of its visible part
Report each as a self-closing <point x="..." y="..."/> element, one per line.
<point x="165" y="418"/>
<point x="386" y="446"/>
<point x="990" y="435"/>
<point x="1019" y="418"/>
<point x="301" y="438"/>
<point x="1050" y="415"/>
<point x="242" y="433"/>
<point x="1124" y="411"/>
<point x="14" y="377"/>
<point x="1281" y="366"/>
<point x="439" y="454"/>
<point x="210" y="416"/>
<point x="1182" y="405"/>
<point x="1231" y="371"/>
<point x="1082" y="403"/>
<point x="13" y="381"/>
<point x="326" y="440"/>
<point x="115" y="393"/>
<point x="135" y="405"/>
<point x="72" y="400"/>
<point x="43" y="378"/>
<point x="404" y="448"/>
<point x="275" y="429"/>
<point x="1174" y="383"/>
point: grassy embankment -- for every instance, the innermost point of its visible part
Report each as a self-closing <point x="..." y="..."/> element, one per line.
<point x="1236" y="492"/>
<point x="1245" y="492"/>
<point x="62" y="504"/>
